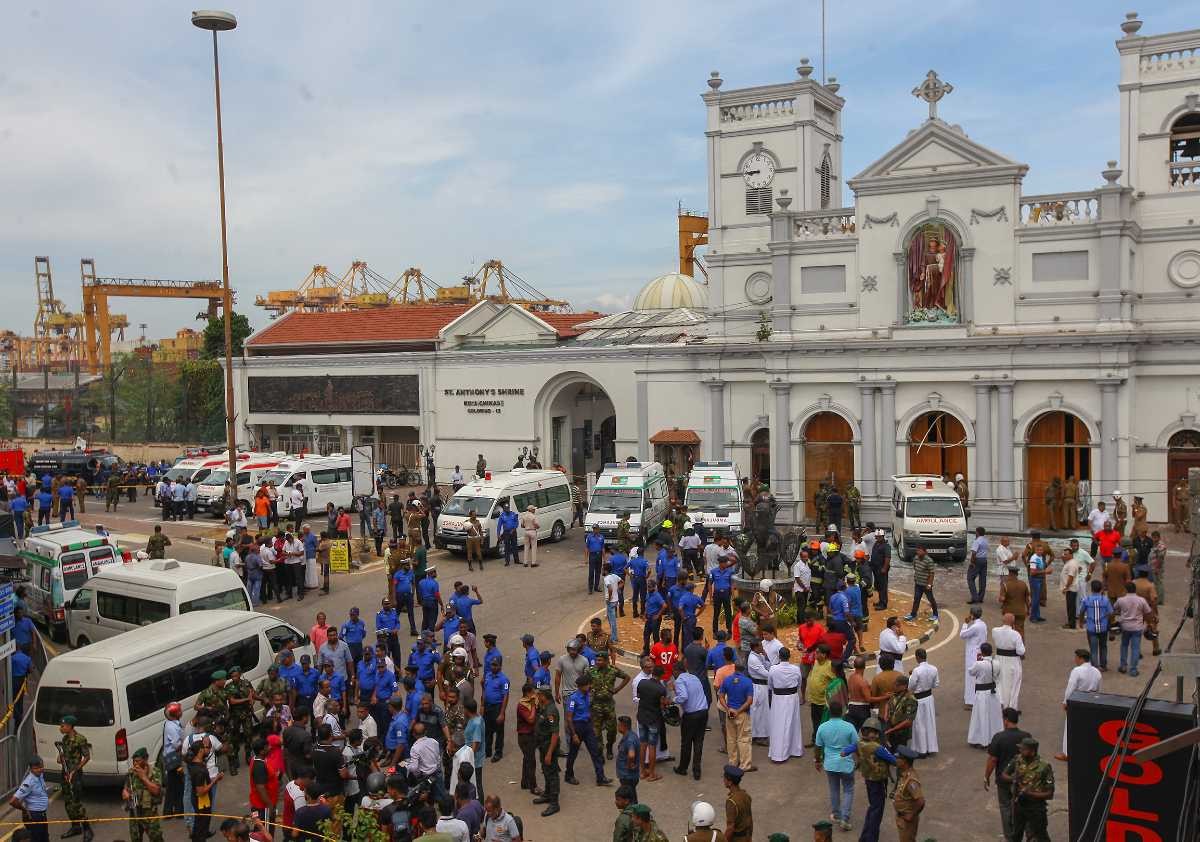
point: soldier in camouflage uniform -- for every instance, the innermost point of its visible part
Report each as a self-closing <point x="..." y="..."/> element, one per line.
<point x="644" y="828"/>
<point x="624" y="542"/>
<point x="239" y="697"/>
<point x="212" y="703"/>
<point x="545" y="728"/>
<point x="902" y="712"/>
<point x="269" y="686"/>
<point x="113" y="492"/>
<point x="456" y="716"/>
<point x="854" y="506"/>
<point x="607" y="682"/>
<point x="74" y="752"/>
<point x="1032" y="781"/>
<point x="143" y="788"/>
<point x="819" y="502"/>
<point x="156" y="546"/>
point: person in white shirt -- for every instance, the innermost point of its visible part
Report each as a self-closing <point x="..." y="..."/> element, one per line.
<point x="1010" y="649"/>
<point x="690" y="545"/>
<point x="190" y="491"/>
<point x="236" y="518"/>
<point x="298" y="504"/>
<point x="612" y="598"/>
<point x="270" y="578"/>
<point x="456" y="829"/>
<point x="1097" y="517"/>
<point x="456" y="479"/>
<point x="973" y="634"/>
<point x="424" y="755"/>
<point x="785" y="737"/>
<point x="801" y="584"/>
<point x="987" y="719"/>
<point x="1071" y="580"/>
<point x="923" y="681"/>
<point x="366" y="723"/>
<point x="892" y="641"/>
<point x="293" y="560"/>
<point x="1004" y="555"/>
<point x="1084" y="678"/>
<point x="772" y="646"/>
<point x="330" y="717"/>
<point x="712" y="557"/>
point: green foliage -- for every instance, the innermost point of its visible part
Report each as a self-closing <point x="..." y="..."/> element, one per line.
<point x="764" y="327"/>
<point x="214" y="337"/>
<point x="786" y="615"/>
<point x="361" y="827"/>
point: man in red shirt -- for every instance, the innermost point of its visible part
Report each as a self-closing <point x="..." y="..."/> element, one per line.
<point x="665" y="653"/>
<point x="1107" y="541"/>
<point x="808" y="635"/>
<point x="835" y="640"/>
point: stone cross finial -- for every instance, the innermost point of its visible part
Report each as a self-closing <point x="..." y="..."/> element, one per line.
<point x="932" y="90"/>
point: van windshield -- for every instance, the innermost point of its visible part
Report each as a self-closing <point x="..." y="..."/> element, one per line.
<point x="465" y="505"/>
<point x="616" y="500"/>
<point x="711" y="498"/>
<point x="91" y="708"/>
<point x="217" y="477"/>
<point x="933" y="507"/>
<point x="176" y="474"/>
<point x="234" y="598"/>
<point x="280" y="478"/>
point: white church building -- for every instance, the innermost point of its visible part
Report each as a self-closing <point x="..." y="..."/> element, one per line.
<point x="943" y="323"/>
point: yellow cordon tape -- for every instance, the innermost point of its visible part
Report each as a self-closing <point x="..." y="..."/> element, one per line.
<point x="8" y="715"/>
<point x="89" y="820"/>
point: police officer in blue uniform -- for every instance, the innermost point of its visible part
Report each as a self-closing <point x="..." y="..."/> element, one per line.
<point x="304" y="681"/>
<point x="353" y="631"/>
<point x="653" y="612"/>
<point x="430" y="596"/>
<point x="402" y="584"/>
<point x="639" y="570"/>
<point x="387" y="622"/>
<point x="580" y="731"/>
<point x="495" y="704"/>
<point x="594" y="544"/>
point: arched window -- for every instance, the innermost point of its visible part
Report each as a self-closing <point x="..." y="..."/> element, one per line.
<point x="826" y="178"/>
<point x="1185" y="151"/>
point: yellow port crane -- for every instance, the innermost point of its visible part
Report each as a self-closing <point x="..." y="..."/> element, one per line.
<point x="693" y="233"/>
<point x="526" y="295"/>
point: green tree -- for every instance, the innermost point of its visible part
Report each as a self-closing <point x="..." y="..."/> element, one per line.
<point x="214" y="337"/>
<point x="202" y="396"/>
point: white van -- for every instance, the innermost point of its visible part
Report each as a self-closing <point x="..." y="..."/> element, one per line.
<point x="714" y="498"/>
<point x="251" y="471"/>
<point x="195" y="469"/>
<point x="121" y="598"/>
<point x="58" y="560"/>
<point x="549" y="491"/>
<point x="639" y="488"/>
<point x="117" y="688"/>
<point x="926" y="512"/>
<point x="325" y="479"/>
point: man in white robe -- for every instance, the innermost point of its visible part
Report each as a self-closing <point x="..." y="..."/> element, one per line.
<point x="921" y="683"/>
<point x="786" y="739"/>
<point x="987" y="717"/>
<point x="1010" y="649"/>
<point x="892" y="641"/>
<point x="757" y="665"/>
<point x="1085" y="678"/>
<point x="973" y="633"/>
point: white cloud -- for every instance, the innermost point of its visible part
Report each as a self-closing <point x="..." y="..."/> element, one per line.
<point x="583" y="196"/>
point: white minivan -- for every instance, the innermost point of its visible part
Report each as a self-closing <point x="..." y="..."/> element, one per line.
<point x="548" y="491"/>
<point x="211" y="491"/>
<point x="123" y="597"/>
<point x="118" y="688"/>
<point x="714" y="498"/>
<point x="639" y="488"/>
<point x="926" y="512"/>
<point x="324" y="479"/>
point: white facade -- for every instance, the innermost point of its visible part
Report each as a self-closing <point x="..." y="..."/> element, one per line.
<point x="943" y="316"/>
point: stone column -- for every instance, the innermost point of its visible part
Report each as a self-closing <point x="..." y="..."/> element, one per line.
<point x="781" y="442"/>
<point x="887" y="434"/>
<point x="716" y="419"/>
<point x="643" y="421"/>
<point x="1004" y="442"/>
<point x="867" y="481"/>
<point x="348" y="432"/>
<point x="1110" y="431"/>
<point x="985" y="487"/>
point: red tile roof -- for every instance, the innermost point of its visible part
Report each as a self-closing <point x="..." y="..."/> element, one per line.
<point x="565" y="323"/>
<point x="675" y="436"/>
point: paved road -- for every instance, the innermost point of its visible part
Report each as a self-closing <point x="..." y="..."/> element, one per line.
<point x="550" y="602"/>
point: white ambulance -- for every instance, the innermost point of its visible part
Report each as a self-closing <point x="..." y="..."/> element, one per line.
<point x="636" y="488"/>
<point x="926" y="512"/>
<point x="714" y="498"/>
<point x="252" y="467"/>
<point x="324" y="479"/>
<point x="547" y="491"/>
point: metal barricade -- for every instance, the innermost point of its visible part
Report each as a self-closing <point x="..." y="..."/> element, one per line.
<point x="16" y="744"/>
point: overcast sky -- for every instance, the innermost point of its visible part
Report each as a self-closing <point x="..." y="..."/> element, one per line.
<point x="556" y="137"/>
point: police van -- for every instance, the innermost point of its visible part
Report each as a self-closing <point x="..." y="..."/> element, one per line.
<point x="926" y="512"/>
<point x="548" y="491"/>
<point x="638" y="489"/>
<point x="117" y="688"/>
<point x="714" y="498"/>
<point x="324" y="479"/>
<point x="58" y="561"/>
<point x="210" y="494"/>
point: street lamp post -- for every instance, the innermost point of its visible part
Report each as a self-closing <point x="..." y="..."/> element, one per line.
<point x="216" y="21"/>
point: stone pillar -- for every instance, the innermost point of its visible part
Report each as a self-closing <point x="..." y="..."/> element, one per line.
<point x="781" y="267"/>
<point x="985" y="486"/>
<point x="1110" y="431"/>
<point x="887" y="435"/>
<point x="866" y="483"/>
<point x="716" y="419"/>
<point x="643" y="421"/>
<point x="781" y="444"/>
<point x="1005" y="454"/>
<point x="348" y="432"/>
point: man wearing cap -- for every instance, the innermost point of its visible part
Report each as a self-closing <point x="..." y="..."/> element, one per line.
<point x="143" y="788"/>
<point x="607" y="681"/>
<point x="909" y="798"/>
<point x="269" y="686"/>
<point x="739" y="815"/>
<point x="387" y="624"/>
<point x="495" y="705"/>
<point x="212" y="702"/>
<point x="73" y="754"/>
<point x="580" y="731"/>
<point x="32" y="799"/>
<point x="644" y="827"/>
<point x="1032" y="781"/>
<point x="881" y="564"/>
<point x="531" y="655"/>
<point x="873" y="761"/>
<point x="239" y="701"/>
<point x="545" y="729"/>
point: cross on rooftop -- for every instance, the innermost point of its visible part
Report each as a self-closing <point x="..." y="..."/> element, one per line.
<point x="932" y="90"/>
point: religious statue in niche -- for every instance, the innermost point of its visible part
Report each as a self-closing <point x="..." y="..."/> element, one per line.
<point x="933" y="275"/>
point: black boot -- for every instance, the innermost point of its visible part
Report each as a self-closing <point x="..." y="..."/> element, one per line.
<point x="88" y="835"/>
<point x="73" y="830"/>
<point x="551" y="810"/>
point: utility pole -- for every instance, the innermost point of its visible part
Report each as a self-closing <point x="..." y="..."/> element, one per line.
<point x="1194" y="566"/>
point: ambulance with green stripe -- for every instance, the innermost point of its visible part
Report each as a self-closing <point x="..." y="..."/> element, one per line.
<point x="714" y="498"/>
<point x="638" y="489"/>
<point x="58" y="560"/>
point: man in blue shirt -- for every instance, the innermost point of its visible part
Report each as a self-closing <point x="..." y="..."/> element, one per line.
<point x="716" y="655"/>
<point x="490" y="651"/>
<point x="674" y="592"/>
<point x="289" y="671"/>
<point x="385" y="689"/>
<point x="628" y="756"/>
<point x="337" y="684"/>
<point x="639" y="570"/>
<point x="425" y="658"/>
<point x="620" y="566"/>
<point x="23" y="629"/>
<point x="688" y="604"/>
<point x="506" y="533"/>
<point x="304" y="682"/>
<point x="977" y="567"/>
<point x="366" y="677"/>
<point x="839" y="612"/>
<point x="464" y="603"/>
<point x="387" y="621"/>
<point x="450" y="624"/>
<point x="430" y="596"/>
<point x="531" y="656"/>
<point x="832" y="738"/>
<point x="20" y="669"/>
<point x="594" y="552"/>
<point x="495" y="704"/>
<point x="1095" y="610"/>
<point x="45" y="502"/>
<point x="354" y="631"/>
<point x="721" y="580"/>
<point x="17" y="506"/>
<point x="402" y="584"/>
<point x="653" y="613"/>
<point x="693" y="704"/>
<point x="668" y="566"/>
<point x="579" y="730"/>
<point x="734" y="697"/>
<point x="395" y="740"/>
<point x="66" y="502"/>
<point x="32" y="798"/>
<point x="541" y="675"/>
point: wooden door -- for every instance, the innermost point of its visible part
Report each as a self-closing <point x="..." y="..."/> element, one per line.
<point x="937" y="444"/>
<point x="760" y="455"/>
<point x="828" y="455"/>
<point x="1057" y="446"/>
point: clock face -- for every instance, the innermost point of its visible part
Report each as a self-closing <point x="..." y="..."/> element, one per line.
<point x="758" y="170"/>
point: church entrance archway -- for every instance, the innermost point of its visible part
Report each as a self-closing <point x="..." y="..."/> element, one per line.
<point x="582" y="424"/>
<point x="828" y="455"/>
<point x="1183" y="452"/>
<point x="1057" y="446"/>
<point x="937" y="444"/>
<point x="760" y="455"/>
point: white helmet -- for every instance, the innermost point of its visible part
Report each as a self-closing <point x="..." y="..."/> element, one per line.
<point x="703" y="814"/>
<point x="765" y="585"/>
<point x="457" y="640"/>
<point x="459" y="653"/>
<point x="142" y="555"/>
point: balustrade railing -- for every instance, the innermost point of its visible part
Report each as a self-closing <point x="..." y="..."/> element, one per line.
<point x="1060" y="209"/>
<point x="772" y="109"/>
<point x="824" y="224"/>
<point x="1184" y="175"/>
<point x="1169" y="61"/>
